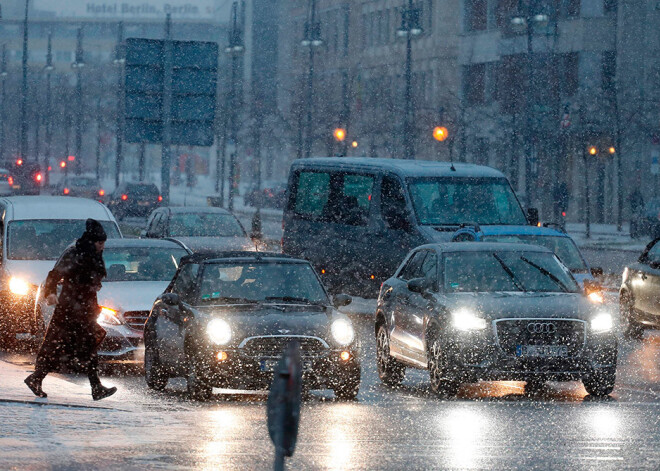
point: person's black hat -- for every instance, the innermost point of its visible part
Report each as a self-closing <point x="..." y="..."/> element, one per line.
<point x="94" y="231"/>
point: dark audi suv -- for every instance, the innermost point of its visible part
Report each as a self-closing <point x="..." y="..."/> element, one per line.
<point x="493" y="311"/>
<point x="226" y="318"/>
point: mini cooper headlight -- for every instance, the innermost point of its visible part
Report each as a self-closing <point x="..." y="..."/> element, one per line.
<point x="602" y="322"/>
<point x="342" y="331"/>
<point x="219" y="331"/>
<point x="18" y="286"/>
<point x="466" y="320"/>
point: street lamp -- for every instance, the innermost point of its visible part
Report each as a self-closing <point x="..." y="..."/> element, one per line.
<point x="3" y="76"/>
<point x="119" y="61"/>
<point x="311" y="39"/>
<point x="78" y="65"/>
<point x="410" y="27"/>
<point x="589" y="151"/>
<point x="526" y="23"/>
<point x="235" y="49"/>
<point x="48" y="70"/>
<point x="24" y="85"/>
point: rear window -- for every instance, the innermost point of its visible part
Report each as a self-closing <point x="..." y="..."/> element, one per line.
<point x="205" y="225"/>
<point x="342" y="198"/>
<point x="142" y="190"/>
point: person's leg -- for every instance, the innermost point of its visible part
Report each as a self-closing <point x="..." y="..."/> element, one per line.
<point x="49" y="353"/>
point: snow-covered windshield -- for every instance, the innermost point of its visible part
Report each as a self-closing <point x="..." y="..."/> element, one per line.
<point x="46" y="239"/>
<point x="141" y="263"/>
<point x="452" y="201"/>
<point x="506" y="271"/>
<point x="563" y="247"/>
<point x="205" y="225"/>
<point x="261" y="282"/>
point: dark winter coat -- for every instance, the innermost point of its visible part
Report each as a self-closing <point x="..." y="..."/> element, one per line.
<point x="73" y="330"/>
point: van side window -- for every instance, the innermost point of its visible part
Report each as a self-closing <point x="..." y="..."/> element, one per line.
<point x="312" y="193"/>
<point x="393" y="203"/>
<point x="350" y="203"/>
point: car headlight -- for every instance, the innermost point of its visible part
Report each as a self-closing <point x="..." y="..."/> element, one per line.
<point x="342" y="331"/>
<point x="466" y="320"/>
<point x="18" y="286"/>
<point x="108" y="316"/>
<point x="602" y="322"/>
<point x="219" y="331"/>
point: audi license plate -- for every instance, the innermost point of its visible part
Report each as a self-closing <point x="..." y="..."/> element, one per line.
<point x="270" y="365"/>
<point x="541" y="350"/>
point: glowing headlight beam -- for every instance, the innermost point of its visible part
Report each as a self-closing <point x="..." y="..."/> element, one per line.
<point x="18" y="286"/>
<point x="219" y="331"/>
<point x="466" y="320"/>
<point x="602" y="322"/>
<point x="342" y="331"/>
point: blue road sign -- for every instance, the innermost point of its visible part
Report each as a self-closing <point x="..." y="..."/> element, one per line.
<point x="193" y="84"/>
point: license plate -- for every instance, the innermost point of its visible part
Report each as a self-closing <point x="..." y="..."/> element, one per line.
<point x="541" y="351"/>
<point x="143" y="203"/>
<point x="270" y="365"/>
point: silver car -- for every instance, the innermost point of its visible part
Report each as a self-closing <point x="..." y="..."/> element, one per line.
<point x="138" y="272"/>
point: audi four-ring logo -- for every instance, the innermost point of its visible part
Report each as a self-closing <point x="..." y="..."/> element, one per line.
<point x="541" y="328"/>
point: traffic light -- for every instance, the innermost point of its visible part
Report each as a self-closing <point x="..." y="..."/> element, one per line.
<point x="71" y="158"/>
<point x="62" y="164"/>
<point x="340" y="134"/>
<point x="440" y="133"/>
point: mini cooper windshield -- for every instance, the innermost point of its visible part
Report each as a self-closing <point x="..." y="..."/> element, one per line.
<point x="506" y="271"/>
<point x="256" y="282"/>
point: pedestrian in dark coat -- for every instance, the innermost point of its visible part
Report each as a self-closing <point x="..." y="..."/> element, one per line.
<point x="73" y="331"/>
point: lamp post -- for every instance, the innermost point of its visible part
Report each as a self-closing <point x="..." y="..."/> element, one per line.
<point x="119" y="61"/>
<point x="78" y="65"/>
<point x="410" y="27"/>
<point x="3" y="77"/>
<point x="235" y="49"/>
<point x="527" y="23"/>
<point x="24" y="86"/>
<point x="311" y="39"/>
<point x="593" y="152"/>
<point x="48" y="70"/>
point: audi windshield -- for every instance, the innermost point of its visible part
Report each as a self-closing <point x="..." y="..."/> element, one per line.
<point x="506" y="271"/>
<point x="563" y="247"/>
<point x="453" y="201"/>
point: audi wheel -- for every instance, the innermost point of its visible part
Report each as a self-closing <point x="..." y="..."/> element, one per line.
<point x="601" y="382"/>
<point x="390" y="371"/>
<point x="443" y="382"/>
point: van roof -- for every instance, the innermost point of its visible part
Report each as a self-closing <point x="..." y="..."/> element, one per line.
<point x="55" y="207"/>
<point x="404" y="168"/>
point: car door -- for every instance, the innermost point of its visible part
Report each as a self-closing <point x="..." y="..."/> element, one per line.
<point x="169" y="325"/>
<point x="646" y="281"/>
<point x="419" y="306"/>
<point x="402" y="337"/>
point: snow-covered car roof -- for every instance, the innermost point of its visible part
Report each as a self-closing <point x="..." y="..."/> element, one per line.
<point x="405" y="168"/>
<point x="195" y="209"/>
<point x="486" y="247"/>
<point x="55" y="207"/>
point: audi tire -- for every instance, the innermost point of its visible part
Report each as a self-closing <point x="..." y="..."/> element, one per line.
<point x="390" y="371"/>
<point x="441" y="373"/>
<point x="600" y="382"/>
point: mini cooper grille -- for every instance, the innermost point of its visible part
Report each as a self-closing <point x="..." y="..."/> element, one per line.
<point x="136" y="319"/>
<point x="514" y="332"/>
<point x="274" y="346"/>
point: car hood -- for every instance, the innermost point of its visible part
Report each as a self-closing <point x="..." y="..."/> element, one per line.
<point x="32" y="271"/>
<point x="217" y="243"/>
<point x="130" y="295"/>
<point x="253" y="321"/>
<point x="523" y="305"/>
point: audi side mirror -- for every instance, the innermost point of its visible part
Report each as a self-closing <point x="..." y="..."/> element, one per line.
<point x="340" y="300"/>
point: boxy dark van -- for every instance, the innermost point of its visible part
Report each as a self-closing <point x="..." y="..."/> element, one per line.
<point x="355" y="219"/>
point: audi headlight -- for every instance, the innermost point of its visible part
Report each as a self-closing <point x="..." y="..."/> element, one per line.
<point x="18" y="286"/>
<point x="108" y="316"/>
<point x="602" y="322"/>
<point x="466" y="320"/>
<point x="342" y="331"/>
<point x="219" y="331"/>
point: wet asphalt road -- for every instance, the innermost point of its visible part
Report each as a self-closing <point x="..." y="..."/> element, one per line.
<point x="489" y="426"/>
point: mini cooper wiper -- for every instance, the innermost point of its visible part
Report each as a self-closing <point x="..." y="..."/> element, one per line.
<point x="509" y="272"/>
<point x="557" y="281"/>
<point x="293" y="299"/>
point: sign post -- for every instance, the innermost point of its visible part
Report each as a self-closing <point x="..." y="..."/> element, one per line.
<point x="284" y="404"/>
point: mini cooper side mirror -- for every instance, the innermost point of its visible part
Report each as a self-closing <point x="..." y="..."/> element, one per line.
<point x="419" y="285"/>
<point x="592" y="286"/>
<point x="340" y="300"/>
<point x="171" y="299"/>
<point x="143" y="233"/>
<point x="596" y="272"/>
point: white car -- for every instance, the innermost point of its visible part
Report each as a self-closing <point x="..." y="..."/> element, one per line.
<point x="35" y="230"/>
<point x="139" y="271"/>
<point x="5" y="182"/>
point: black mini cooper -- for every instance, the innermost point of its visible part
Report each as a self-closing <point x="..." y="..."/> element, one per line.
<point x="489" y="311"/>
<point x="226" y="318"/>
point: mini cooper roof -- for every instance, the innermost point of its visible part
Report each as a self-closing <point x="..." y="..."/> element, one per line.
<point x="404" y="168"/>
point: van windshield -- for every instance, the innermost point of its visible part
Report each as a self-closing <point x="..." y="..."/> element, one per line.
<point x="452" y="201"/>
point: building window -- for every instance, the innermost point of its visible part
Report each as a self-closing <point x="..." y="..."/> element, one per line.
<point x="510" y="80"/>
<point x="476" y="15"/>
<point x="504" y="11"/>
<point x="610" y="6"/>
<point x="609" y="72"/>
<point x="474" y="81"/>
<point x="568" y="72"/>
<point x="569" y="8"/>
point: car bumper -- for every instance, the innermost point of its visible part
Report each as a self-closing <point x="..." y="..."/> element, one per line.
<point x="121" y="345"/>
<point x="17" y="312"/>
<point x="241" y="371"/>
<point x="476" y="358"/>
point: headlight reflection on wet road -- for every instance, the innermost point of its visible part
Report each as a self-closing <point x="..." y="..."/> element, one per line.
<point x="466" y="431"/>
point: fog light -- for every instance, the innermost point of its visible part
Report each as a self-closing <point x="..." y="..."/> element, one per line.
<point x="221" y="356"/>
<point x="345" y="356"/>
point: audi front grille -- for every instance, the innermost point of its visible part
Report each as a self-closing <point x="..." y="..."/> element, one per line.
<point x="511" y="333"/>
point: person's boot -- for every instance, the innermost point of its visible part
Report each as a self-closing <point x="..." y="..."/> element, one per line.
<point x="101" y="392"/>
<point x="34" y="384"/>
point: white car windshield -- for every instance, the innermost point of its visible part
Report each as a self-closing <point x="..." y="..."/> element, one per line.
<point x="506" y="271"/>
<point x="141" y="263"/>
<point x="205" y="225"/>
<point x="261" y="282"/>
<point x="563" y="247"/>
<point x="46" y="239"/>
<point x="453" y="201"/>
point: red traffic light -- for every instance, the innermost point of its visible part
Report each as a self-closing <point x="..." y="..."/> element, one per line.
<point x="62" y="164"/>
<point x="19" y="161"/>
<point x="65" y="191"/>
<point x="71" y="158"/>
<point x="124" y="197"/>
<point x="38" y="177"/>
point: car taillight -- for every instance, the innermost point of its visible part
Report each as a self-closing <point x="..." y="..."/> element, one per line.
<point x="101" y="192"/>
<point x="124" y="197"/>
<point x="65" y="191"/>
<point x="38" y="177"/>
<point x="160" y="198"/>
<point x="11" y="180"/>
